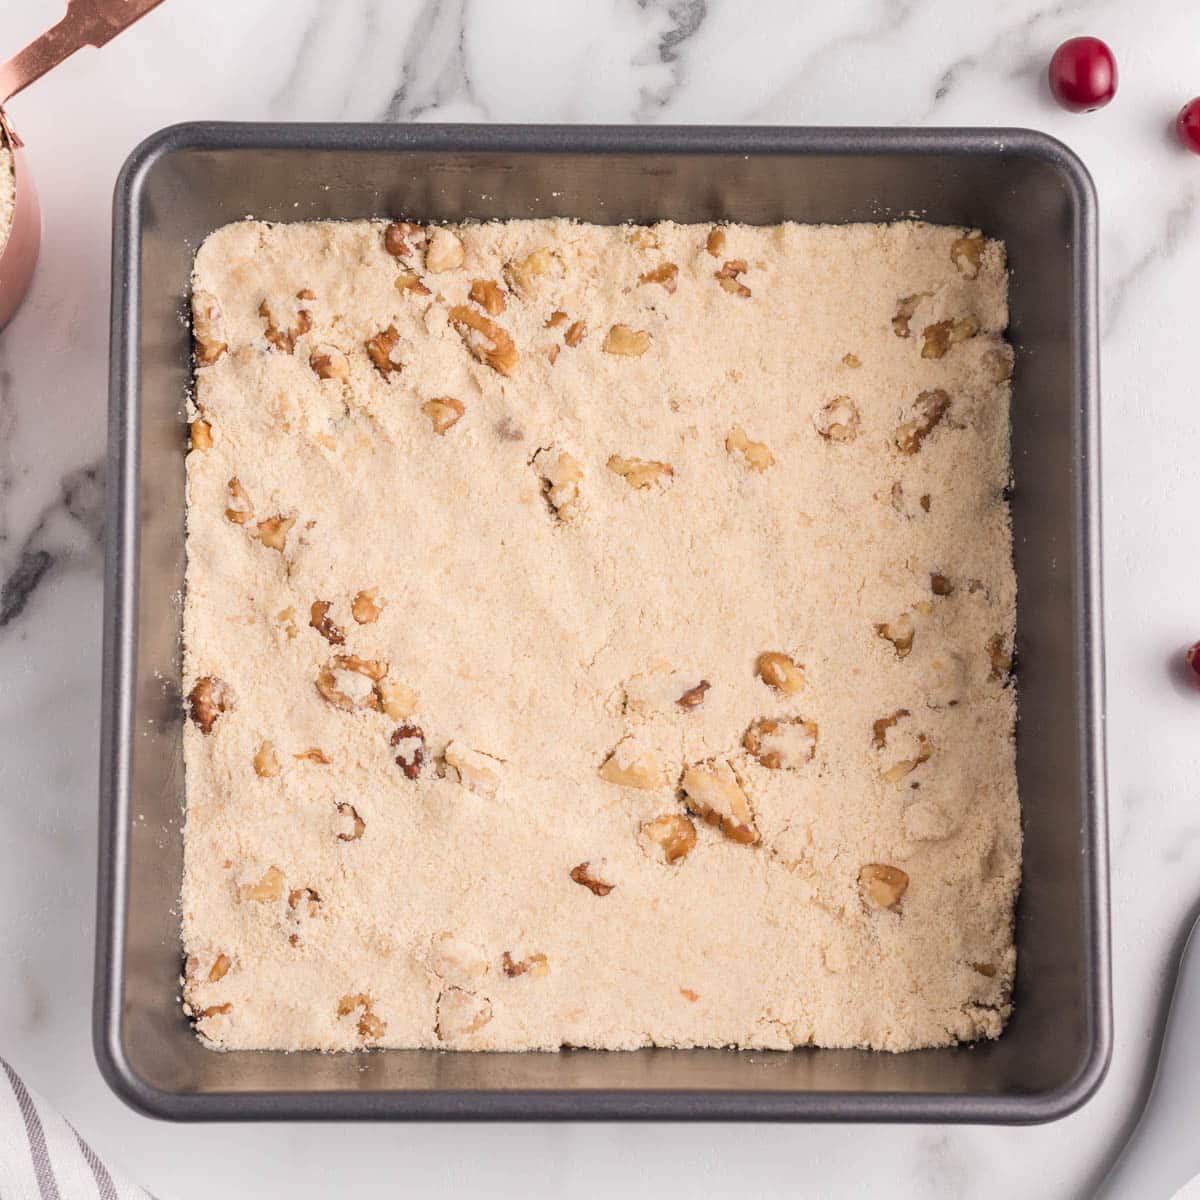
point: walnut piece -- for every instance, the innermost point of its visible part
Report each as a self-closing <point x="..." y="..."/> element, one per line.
<point x="366" y="606"/>
<point x="928" y="409"/>
<point x="370" y="1027"/>
<point x="460" y="1013"/>
<point x="640" y="472"/>
<point x="487" y="294"/>
<point x="266" y="761"/>
<point x="328" y="362"/>
<point x="998" y="363"/>
<point x="352" y="826"/>
<point x="905" y="310"/>
<point x="756" y="455"/>
<point x="398" y="701"/>
<point x="879" y="729"/>
<point x="201" y="434"/>
<point x="400" y="236"/>
<point x="486" y="340"/>
<point x="475" y="771"/>
<point x="999" y="657"/>
<point x="939" y="585"/>
<point x="727" y="277"/>
<point x="284" y="340"/>
<point x="444" y="412"/>
<point x="852" y="361"/>
<point x="556" y="318"/>
<point x="208" y="333"/>
<point x="621" y="339"/>
<point x="383" y="351"/>
<point x="445" y="252"/>
<point x="939" y="337"/>
<point x="839" y="420"/>
<point x="666" y="273"/>
<point x="715" y="242"/>
<point x="575" y="334"/>
<point x="216" y="1010"/>
<point x="782" y="743"/>
<point x="883" y="885"/>
<point x="561" y="476"/>
<point x="410" y="281"/>
<point x="267" y="889"/>
<point x="712" y="791"/>
<point x="523" y="276"/>
<point x="319" y="620"/>
<point x="899" y="632"/>
<point x="694" y="697"/>
<point x="582" y="875"/>
<point x="220" y="968"/>
<point x="239" y="509"/>
<point x="675" y="835"/>
<point x="348" y="682"/>
<point x="408" y="741"/>
<point x="273" y="531"/>
<point x="626" y="766"/>
<point x="304" y="901"/>
<point x="905" y="767"/>
<point x="535" y="965"/>
<point x="209" y="698"/>
<point x="966" y="253"/>
<point x="314" y="754"/>
<point x="780" y="671"/>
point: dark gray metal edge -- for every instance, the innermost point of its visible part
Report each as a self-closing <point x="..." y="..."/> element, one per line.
<point x="120" y="619"/>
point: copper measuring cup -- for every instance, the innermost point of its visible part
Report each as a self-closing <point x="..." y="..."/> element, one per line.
<point x="86" y="23"/>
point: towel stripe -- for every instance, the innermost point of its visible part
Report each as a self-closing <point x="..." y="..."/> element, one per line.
<point x="37" y="1138"/>
<point x="104" y="1184"/>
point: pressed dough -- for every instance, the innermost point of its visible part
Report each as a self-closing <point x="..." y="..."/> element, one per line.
<point x="539" y="615"/>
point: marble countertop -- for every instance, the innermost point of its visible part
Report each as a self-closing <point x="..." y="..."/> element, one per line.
<point x="935" y="62"/>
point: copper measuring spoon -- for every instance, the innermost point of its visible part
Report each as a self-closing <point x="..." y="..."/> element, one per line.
<point x="86" y="23"/>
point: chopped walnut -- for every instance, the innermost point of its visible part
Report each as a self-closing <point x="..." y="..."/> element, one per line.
<point x="487" y="294"/>
<point x="906" y="766"/>
<point x="928" y="409"/>
<point x="445" y="252"/>
<point x="476" y="771"/>
<point x="939" y="337"/>
<point x="410" y="281"/>
<point x="220" y="968"/>
<point x="328" y="362"/>
<point x="575" y="334"/>
<point x="883" y="885"/>
<point x="852" y="361"/>
<point x="642" y="238"/>
<point x="460" y="1013"/>
<point x="454" y="960"/>
<point x="939" y="585"/>
<point x="304" y="901"/>
<point x="285" y="339"/>
<point x="267" y="889"/>
<point x="690" y="996"/>
<point x="319" y="620"/>
<point x="486" y="340"/>
<point x="905" y="310"/>
<point x="694" y="696"/>
<point x="899" y="632"/>
<point x="398" y="701"/>
<point x="839" y="420"/>
<point x="201" y="434"/>
<point x="384" y="351"/>
<point x="727" y="277"/>
<point x="408" y="741"/>
<point x="756" y="455"/>
<point x="553" y="353"/>
<point x="400" y="236"/>
<point x="266" y="761"/>
<point x="366" y="606"/>
<point x="626" y="766"/>
<point x="535" y="965"/>
<point x="879" y="729"/>
<point x="523" y="276"/>
<point x="348" y="682"/>
<point x="556" y="318"/>
<point x="209" y="698"/>
<point x="782" y="743"/>
<point x="370" y="1027"/>
<point x="239" y="509"/>
<point x="998" y="363"/>
<point x="444" y="412"/>
<point x="216" y="1010"/>
<point x="352" y="826"/>
<point x="273" y="531"/>
<point x="621" y="339"/>
<point x="780" y="671"/>
<point x="966" y="253"/>
<point x="675" y="835"/>
<point x="208" y="332"/>
<point x="1000" y="658"/>
<point x="287" y="620"/>
<point x="314" y="754"/>
<point x="640" y="472"/>
<point x="715" y="242"/>
<point x="713" y="792"/>
<point x="561" y="476"/>
<point x="666" y="273"/>
<point x="582" y="875"/>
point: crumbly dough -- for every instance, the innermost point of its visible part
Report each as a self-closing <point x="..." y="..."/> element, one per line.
<point x="717" y="452"/>
<point x="8" y="192"/>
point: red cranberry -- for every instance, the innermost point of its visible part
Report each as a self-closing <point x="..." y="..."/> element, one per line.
<point x="1187" y="125"/>
<point x="1193" y="658"/>
<point x="1083" y="74"/>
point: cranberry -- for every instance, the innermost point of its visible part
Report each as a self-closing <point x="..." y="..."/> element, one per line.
<point x="1187" y="125"/>
<point x="1083" y="74"/>
<point x="1193" y="658"/>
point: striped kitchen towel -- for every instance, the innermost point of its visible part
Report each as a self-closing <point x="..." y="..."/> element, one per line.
<point x="43" y="1158"/>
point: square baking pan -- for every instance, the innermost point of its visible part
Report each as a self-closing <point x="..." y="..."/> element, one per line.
<point x="1017" y="185"/>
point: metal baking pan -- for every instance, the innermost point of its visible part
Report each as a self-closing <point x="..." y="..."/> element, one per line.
<point x="1020" y="186"/>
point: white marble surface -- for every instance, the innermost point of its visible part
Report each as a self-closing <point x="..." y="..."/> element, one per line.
<point x="858" y="61"/>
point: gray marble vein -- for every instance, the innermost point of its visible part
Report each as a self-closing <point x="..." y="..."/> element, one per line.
<point x="433" y="69"/>
<point x="684" y="18"/>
